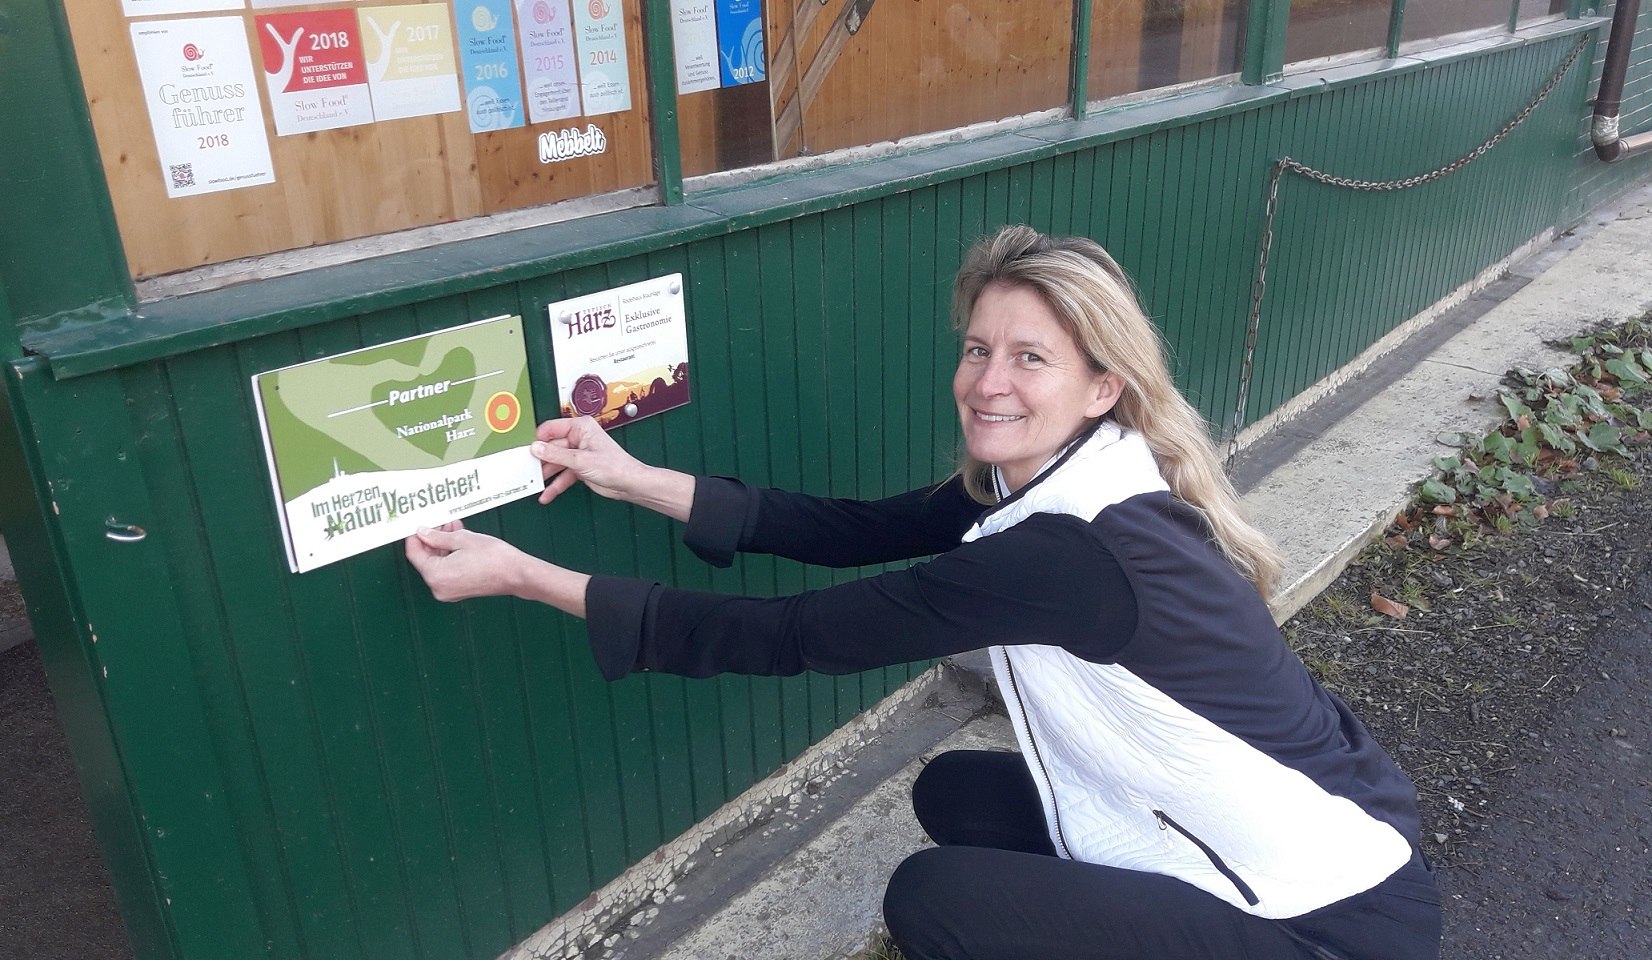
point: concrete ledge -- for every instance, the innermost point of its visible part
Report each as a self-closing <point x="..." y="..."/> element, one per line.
<point x="1313" y="581"/>
<point x="1327" y="482"/>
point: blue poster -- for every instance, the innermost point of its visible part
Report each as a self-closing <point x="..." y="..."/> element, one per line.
<point x="487" y="59"/>
<point x="740" y="41"/>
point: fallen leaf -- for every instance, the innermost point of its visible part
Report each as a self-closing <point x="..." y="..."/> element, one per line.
<point x="1445" y="510"/>
<point x="1541" y="511"/>
<point x="1398" y="540"/>
<point x="1439" y="543"/>
<point x="1388" y="607"/>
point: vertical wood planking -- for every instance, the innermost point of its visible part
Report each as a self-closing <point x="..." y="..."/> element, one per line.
<point x="870" y="424"/>
<point x="843" y="445"/>
<point x="813" y="421"/>
<point x="161" y="453"/>
<point x="950" y="244"/>
<point x="779" y="336"/>
<point x="889" y="363"/>
<point x="1207" y="324"/>
<point x="245" y="549"/>
<point x="329" y="648"/>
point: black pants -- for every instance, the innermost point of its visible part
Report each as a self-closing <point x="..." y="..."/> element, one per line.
<point x="995" y="890"/>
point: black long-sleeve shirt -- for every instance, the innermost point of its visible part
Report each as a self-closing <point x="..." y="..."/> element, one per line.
<point x="1048" y="580"/>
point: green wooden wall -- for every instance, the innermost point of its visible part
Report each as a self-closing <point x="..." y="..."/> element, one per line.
<point x="335" y="766"/>
<point x="1593" y="182"/>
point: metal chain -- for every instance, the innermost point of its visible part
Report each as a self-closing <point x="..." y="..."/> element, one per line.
<point x="1277" y="171"/>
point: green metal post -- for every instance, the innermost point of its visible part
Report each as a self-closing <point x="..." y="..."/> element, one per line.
<point x="1082" y="10"/>
<point x="1396" y="23"/>
<point x="10" y="347"/>
<point x="1265" y="40"/>
<point x="58" y="230"/>
<point x="659" y="49"/>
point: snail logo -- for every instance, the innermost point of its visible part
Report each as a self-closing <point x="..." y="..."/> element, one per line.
<point x="745" y="60"/>
<point x="503" y="412"/>
<point x="598" y="9"/>
<point x="543" y="12"/>
<point x="489" y="111"/>
<point x="192" y="53"/>
<point x="483" y="19"/>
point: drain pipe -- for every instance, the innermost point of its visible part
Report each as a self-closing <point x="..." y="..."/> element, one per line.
<point x="1609" y="145"/>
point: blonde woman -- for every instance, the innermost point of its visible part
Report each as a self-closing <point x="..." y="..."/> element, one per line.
<point x="1184" y="788"/>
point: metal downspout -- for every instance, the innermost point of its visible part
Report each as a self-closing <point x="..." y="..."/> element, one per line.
<point x="1610" y="146"/>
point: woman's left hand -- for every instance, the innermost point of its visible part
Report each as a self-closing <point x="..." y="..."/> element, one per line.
<point x="458" y="564"/>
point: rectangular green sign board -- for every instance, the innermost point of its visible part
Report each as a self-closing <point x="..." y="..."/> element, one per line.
<point x="368" y="446"/>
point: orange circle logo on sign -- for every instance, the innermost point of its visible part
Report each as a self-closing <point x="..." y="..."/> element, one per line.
<point x="503" y="412"/>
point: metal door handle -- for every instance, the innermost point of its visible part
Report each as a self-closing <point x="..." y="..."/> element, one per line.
<point x="123" y="532"/>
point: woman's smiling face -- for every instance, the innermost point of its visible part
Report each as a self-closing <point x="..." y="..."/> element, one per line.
<point x="1024" y="388"/>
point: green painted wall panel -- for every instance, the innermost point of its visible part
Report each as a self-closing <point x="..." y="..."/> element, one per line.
<point x="1593" y="182"/>
<point x="44" y="573"/>
<point x="58" y="231"/>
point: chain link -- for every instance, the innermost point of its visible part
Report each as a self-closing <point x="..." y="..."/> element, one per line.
<point x="1277" y="171"/>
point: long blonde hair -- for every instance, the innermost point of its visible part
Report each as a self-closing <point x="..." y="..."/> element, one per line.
<point x="1095" y="301"/>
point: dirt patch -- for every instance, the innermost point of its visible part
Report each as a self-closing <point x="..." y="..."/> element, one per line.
<point x="11" y="603"/>
<point x="1514" y="691"/>
<point x="1497" y="638"/>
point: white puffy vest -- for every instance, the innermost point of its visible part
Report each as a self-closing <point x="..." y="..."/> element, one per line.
<point x="1131" y="778"/>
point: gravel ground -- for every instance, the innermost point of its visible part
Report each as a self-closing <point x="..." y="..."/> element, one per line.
<point x="55" y="899"/>
<point x="1515" y="692"/>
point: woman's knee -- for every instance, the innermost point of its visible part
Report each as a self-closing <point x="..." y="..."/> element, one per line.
<point x="937" y="788"/>
<point x="914" y="901"/>
<point x="980" y="798"/>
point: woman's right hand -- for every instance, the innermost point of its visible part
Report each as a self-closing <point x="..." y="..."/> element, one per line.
<point x="579" y="450"/>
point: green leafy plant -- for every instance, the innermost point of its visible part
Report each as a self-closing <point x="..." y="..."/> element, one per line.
<point x="1559" y="425"/>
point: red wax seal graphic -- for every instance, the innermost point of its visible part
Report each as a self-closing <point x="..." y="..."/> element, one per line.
<point x="590" y="395"/>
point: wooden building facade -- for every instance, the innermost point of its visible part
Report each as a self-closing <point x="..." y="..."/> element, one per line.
<point x="331" y="764"/>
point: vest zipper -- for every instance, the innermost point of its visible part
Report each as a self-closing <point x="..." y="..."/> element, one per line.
<point x="1037" y="758"/>
<point x="1216" y="861"/>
